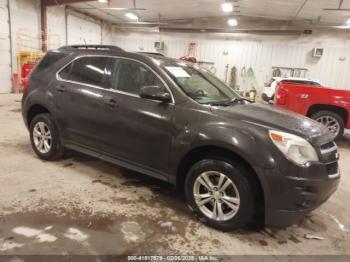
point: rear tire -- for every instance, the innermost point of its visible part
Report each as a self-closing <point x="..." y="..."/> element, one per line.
<point x="45" y="138"/>
<point x="332" y="121"/>
<point x="237" y="201"/>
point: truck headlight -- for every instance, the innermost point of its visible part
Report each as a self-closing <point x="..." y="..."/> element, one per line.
<point x="294" y="147"/>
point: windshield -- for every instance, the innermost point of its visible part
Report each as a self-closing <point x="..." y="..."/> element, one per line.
<point x="199" y="84"/>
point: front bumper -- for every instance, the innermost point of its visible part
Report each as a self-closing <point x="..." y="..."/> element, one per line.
<point x="303" y="197"/>
<point x="291" y="191"/>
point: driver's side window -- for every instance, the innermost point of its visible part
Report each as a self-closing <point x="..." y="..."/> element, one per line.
<point x="130" y="76"/>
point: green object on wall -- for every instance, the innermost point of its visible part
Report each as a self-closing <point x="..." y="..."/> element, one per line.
<point x="250" y="72"/>
<point x="233" y="77"/>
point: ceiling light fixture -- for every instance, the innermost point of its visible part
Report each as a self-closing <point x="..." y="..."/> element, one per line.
<point x="232" y="22"/>
<point x="132" y="16"/>
<point x="227" y="7"/>
<point x="103" y="1"/>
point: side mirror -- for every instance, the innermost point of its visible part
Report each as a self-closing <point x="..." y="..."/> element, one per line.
<point x="155" y="93"/>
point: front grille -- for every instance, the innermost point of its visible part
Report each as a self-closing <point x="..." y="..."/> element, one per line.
<point x="332" y="168"/>
<point x="327" y="146"/>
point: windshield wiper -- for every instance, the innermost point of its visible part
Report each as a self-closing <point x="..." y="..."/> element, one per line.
<point x="241" y="99"/>
<point x="220" y="103"/>
<point x="229" y="102"/>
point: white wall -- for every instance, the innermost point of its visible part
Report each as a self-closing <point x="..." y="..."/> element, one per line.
<point x="26" y="32"/>
<point x="107" y="34"/>
<point x="25" y="27"/>
<point x="80" y="27"/>
<point x="5" y="49"/>
<point x="258" y="52"/>
<point x="56" y="26"/>
<point x="83" y="30"/>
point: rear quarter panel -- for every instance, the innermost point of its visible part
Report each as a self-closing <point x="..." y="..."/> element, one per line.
<point x="300" y="98"/>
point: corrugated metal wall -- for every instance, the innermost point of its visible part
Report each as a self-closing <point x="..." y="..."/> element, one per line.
<point x="5" y="49"/>
<point x="83" y="30"/>
<point x="261" y="56"/>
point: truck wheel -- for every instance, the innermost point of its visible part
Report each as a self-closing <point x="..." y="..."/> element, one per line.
<point x="220" y="194"/>
<point x="332" y="121"/>
<point x="44" y="137"/>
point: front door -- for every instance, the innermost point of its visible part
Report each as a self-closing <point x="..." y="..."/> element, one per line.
<point x="138" y="130"/>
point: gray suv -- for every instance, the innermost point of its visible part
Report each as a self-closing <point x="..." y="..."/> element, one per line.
<point x="235" y="160"/>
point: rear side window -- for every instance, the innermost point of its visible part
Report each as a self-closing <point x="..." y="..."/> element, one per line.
<point x="86" y="70"/>
<point x="48" y="60"/>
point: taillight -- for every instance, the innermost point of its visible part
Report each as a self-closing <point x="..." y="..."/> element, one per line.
<point x="25" y="83"/>
<point x="281" y="96"/>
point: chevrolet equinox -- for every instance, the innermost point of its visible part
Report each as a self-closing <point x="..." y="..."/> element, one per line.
<point x="173" y="121"/>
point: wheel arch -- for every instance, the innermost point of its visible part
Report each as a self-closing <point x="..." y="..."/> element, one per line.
<point x="34" y="110"/>
<point x="201" y="152"/>
<point x="342" y="112"/>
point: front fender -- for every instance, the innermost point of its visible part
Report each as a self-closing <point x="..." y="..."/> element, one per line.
<point x="250" y="144"/>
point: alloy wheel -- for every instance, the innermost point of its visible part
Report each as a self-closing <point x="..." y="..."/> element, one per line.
<point x="216" y="195"/>
<point x="42" y="137"/>
<point x="331" y="123"/>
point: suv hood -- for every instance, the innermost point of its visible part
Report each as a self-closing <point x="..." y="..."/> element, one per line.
<point x="275" y="118"/>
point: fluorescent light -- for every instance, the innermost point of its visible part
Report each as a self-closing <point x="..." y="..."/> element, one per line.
<point x="227" y="7"/>
<point x="132" y="16"/>
<point x="103" y="1"/>
<point x="232" y="22"/>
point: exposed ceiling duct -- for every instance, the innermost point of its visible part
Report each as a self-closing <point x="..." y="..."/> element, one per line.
<point x="115" y="8"/>
<point x="62" y="2"/>
<point x="233" y="31"/>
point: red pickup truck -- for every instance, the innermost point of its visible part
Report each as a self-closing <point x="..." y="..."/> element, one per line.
<point x="328" y="106"/>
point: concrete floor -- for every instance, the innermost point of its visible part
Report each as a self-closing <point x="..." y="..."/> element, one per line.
<point x="80" y="205"/>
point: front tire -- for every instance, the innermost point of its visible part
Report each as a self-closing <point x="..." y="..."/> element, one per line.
<point x="220" y="194"/>
<point x="332" y="121"/>
<point x="45" y="138"/>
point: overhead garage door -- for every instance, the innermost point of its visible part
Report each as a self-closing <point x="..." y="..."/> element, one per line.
<point x="81" y="31"/>
<point x="5" y="55"/>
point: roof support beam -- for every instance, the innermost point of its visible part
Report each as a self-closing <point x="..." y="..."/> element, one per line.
<point x="340" y="3"/>
<point x="300" y="9"/>
<point x="43" y="24"/>
<point x="63" y="2"/>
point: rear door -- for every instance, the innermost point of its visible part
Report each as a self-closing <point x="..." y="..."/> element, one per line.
<point x="79" y="100"/>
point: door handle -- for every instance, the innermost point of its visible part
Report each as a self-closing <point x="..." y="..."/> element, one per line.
<point x="112" y="103"/>
<point x="60" y="89"/>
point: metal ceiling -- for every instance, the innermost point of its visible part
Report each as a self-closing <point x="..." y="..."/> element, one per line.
<point x="303" y="13"/>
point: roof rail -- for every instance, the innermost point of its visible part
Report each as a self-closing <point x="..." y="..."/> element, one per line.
<point x="150" y="53"/>
<point x="91" y="47"/>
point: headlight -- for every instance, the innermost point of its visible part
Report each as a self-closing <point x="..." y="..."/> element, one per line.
<point x="294" y="147"/>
